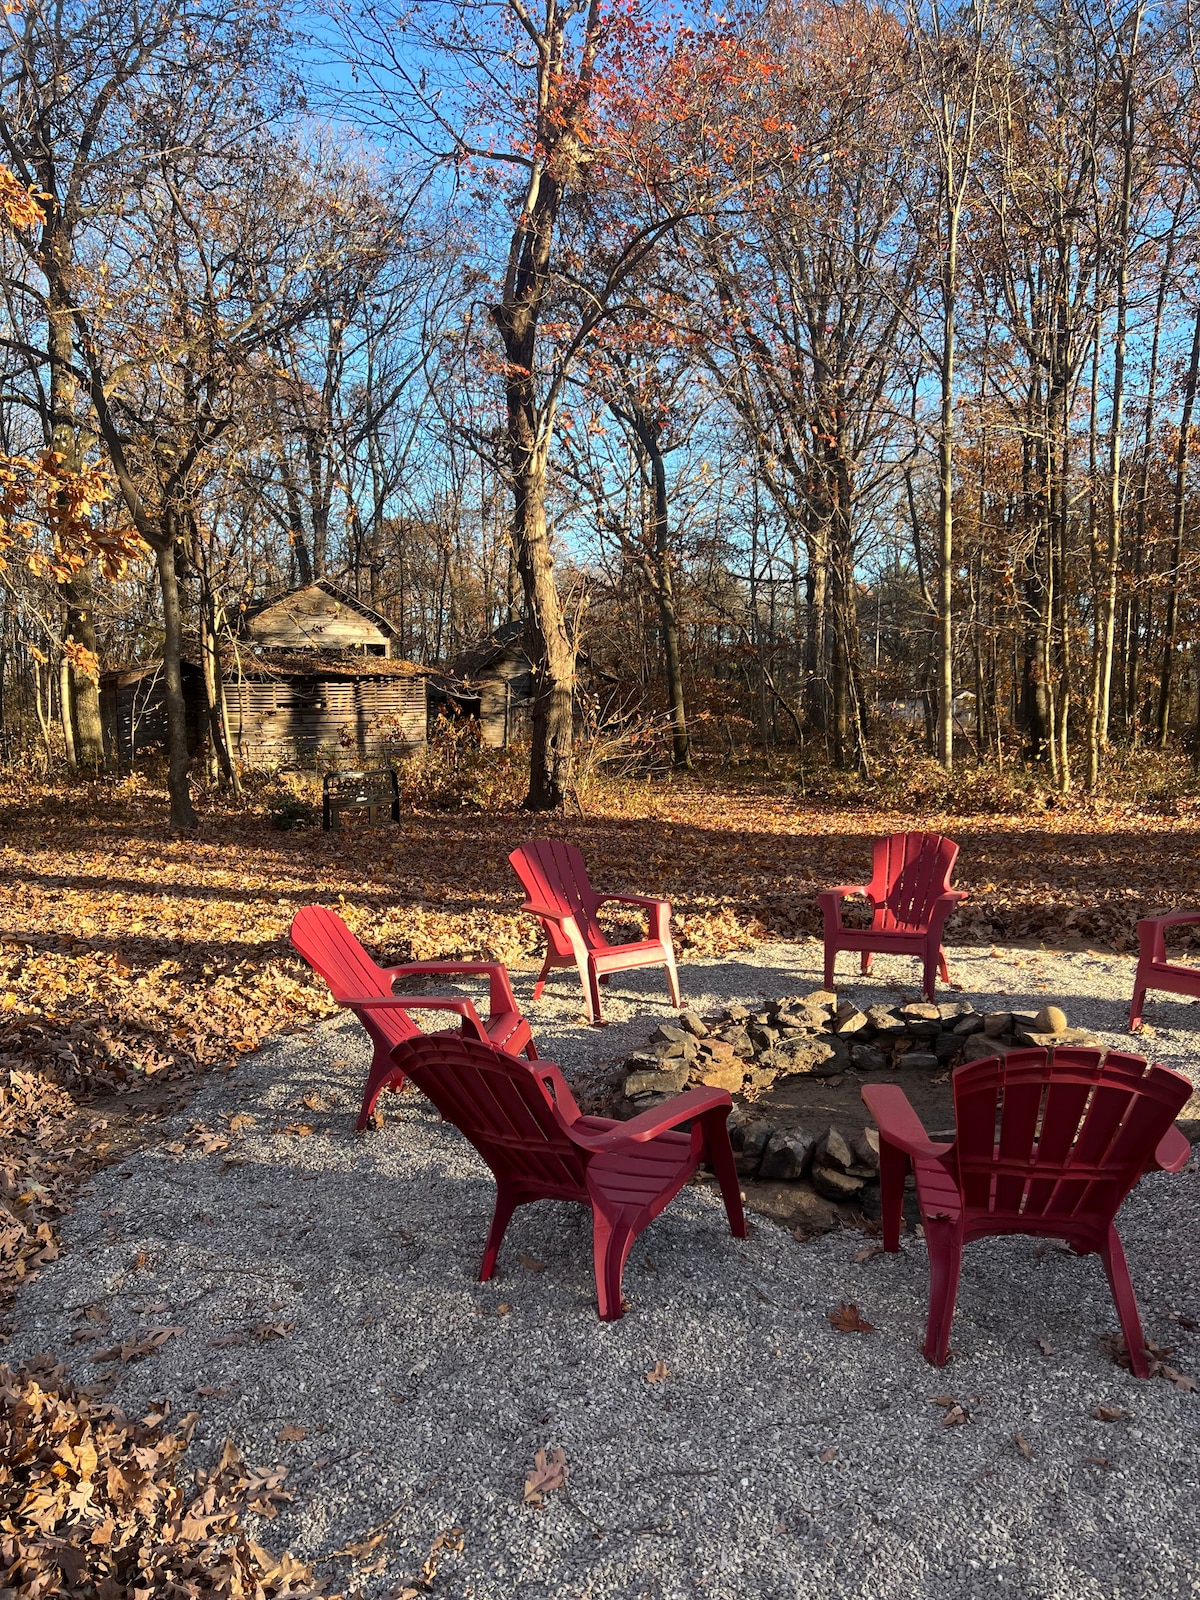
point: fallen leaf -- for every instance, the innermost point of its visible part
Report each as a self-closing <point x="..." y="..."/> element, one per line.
<point x="1023" y="1445"/>
<point x="1111" y="1414"/>
<point x="503" y="1308"/>
<point x="828" y="1457"/>
<point x="846" y="1319"/>
<point x="1099" y="1461"/>
<point x="291" y="1434"/>
<point x="240" y="1120"/>
<point x="273" y="1330"/>
<point x="530" y="1263"/>
<point x="867" y="1253"/>
<point x="550" y="1472"/>
<point x="956" y="1417"/>
<point x="302" y="1130"/>
<point x="1045" y="1347"/>
<point x="313" y="1102"/>
<point x="659" y="1373"/>
<point x="942" y="1400"/>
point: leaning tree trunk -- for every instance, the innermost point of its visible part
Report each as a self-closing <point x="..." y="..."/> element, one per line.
<point x="550" y="647"/>
<point x="183" y="814"/>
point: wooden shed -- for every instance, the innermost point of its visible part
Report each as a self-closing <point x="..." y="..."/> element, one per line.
<point x="296" y="706"/>
<point x="133" y="711"/>
<point x="323" y="617"/>
<point x="500" y="673"/>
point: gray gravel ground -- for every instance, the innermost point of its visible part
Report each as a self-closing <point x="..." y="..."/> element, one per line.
<point x="779" y="1458"/>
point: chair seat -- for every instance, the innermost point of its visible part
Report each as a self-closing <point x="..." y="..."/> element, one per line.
<point x="881" y="939"/>
<point x="508" y="1031"/>
<point x="616" y="958"/>
<point x="637" y="1177"/>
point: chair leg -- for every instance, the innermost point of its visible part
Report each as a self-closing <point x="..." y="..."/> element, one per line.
<point x="945" y="1264"/>
<point x="530" y="1052"/>
<point x="830" y="958"/>
<point x="541" y="983"/>
<point x="720" y="1156"/>
<point x="867" y="958"/>
<point x="611" y="1242"/>
<point x="381" y="1074"/>
<point x="943" y="965"/>
<point x="929" y="976"/>
<point x="893" y="1169"/>
<point x="672" y="978"/>
<point x="1117" y="1269"/>
<point x="591" y="993"/>
<point x="506" y="1204"/>
<point x="1137" y="1002"/>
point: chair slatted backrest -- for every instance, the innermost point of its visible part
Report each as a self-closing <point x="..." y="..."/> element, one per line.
<point x="499" y="1104"/>
<point x="1040" y="1139"/>
<point x="910" y="871"/>
<point x="330" y="949"/>
<point x="554" y="875"/>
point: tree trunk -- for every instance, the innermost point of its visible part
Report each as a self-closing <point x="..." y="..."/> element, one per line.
<point x="183" y="814"/>
<point x="945" y="577"/>
<point x="64" y="711"/>
<point x="85" y="691"/>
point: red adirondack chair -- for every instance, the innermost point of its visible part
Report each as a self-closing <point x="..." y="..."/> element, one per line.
<point x="564" y="902"/>
<point x="911" y="898"/>
<point x="1154" y="971"/>
<point x="523" y="1120"/>
<point x="1043" y="1147"/>
<point x="329" y="947"/>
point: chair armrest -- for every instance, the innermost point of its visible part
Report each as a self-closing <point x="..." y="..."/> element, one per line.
<point x="1152" y="932"/>
<point x="682" y="1108"/>
<point x="501" y="997"/>
<point x="660" y="912"/>
<point x="943" y="906"/>
<point x="553" y="1080"/>
<point x="898" y="1123"/>
<point x="550" y="913"/>
<point x="830" y="902"/>
<point x="421" y="1002"/>
<point x="1173" y="919"/>
<point x="1173" y="1152"/>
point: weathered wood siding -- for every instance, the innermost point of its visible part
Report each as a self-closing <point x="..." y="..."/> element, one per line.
<point x="296" y="719"/>
<point x="504" y="690"/>
<point x="133" y="713"/>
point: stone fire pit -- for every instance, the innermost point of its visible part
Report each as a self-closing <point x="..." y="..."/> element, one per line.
<point x="787" y="1063"/>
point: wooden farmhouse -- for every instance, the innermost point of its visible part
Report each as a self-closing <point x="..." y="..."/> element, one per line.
<point x="316" y="677"/>
<point x="498" y="677"/>
<point x="310" y="678"/>
<point x="133" y="712"/>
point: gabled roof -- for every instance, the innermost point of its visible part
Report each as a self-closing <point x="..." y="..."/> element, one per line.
<point x="309" y="611"/>
<point x="507" y="639"/>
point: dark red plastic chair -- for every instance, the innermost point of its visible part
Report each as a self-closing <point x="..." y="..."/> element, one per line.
<point x="523" y="1120"/>
<point x="566" y="905"/>
<point x="911" y="898"/>
<point x="1154" y="971"/>
<point x="1043" y="1147"/>
<point x="331" y="950"/>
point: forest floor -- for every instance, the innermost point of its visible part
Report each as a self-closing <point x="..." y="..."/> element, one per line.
<point x="135" y="960"/>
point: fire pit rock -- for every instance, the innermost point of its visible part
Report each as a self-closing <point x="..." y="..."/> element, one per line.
<point x="748" y="1051"/>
